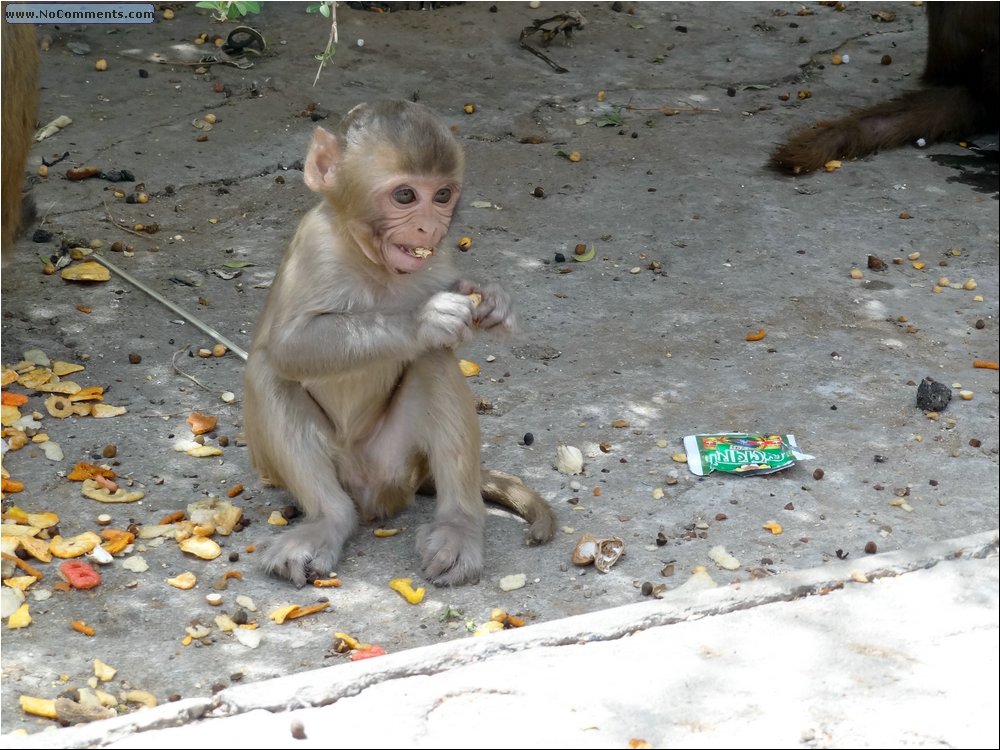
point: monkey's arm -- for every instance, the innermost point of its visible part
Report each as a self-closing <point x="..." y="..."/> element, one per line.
<point x="321" y="344"/>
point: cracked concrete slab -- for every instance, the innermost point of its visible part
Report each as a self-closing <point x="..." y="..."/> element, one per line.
<point x="697" y="244"/>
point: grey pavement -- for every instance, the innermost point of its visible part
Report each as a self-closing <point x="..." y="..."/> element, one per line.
<point x="870" y="620"/>
<point x="895" y="650"/>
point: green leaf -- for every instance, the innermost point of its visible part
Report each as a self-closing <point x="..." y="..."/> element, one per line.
<point x="609" y="120"/>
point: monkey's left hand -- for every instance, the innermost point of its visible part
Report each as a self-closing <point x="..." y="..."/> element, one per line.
<point x="495" y="312"/>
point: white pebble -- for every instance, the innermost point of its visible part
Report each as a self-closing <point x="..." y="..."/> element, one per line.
<point x="845" y="59"/>
<point x="361" y="42"/>
<point x="921" y="142"/>
<point x="249" y="638"/>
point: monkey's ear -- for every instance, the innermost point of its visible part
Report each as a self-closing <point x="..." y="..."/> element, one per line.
<point x="322" y="161"/>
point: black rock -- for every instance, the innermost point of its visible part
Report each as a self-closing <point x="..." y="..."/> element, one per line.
<point x="932" y="396"/>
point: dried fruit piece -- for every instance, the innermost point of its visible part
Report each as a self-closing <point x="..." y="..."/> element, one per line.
<point x="93" y="489"/>
<point x="104" y="411"/>
<point x="773" y="526"/>
<point x="62" y="369"/>
<point x="116" y="540"/>
<point x="89" y="270"/>
<point x="469" y="369"/>
<point x="202" y="423"/>
<point x="184" y="581"/>
<point x="382" y="533"/>
<point x="756" y="335"/>
<point x="20" y="619"/>
<point x="37" y="548"/>
<point x="84" y="471"/>
<point x="201" y="546"/>
<point x="76" y="546"/>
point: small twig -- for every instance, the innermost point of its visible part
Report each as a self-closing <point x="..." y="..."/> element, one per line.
<point x="192" y="378"/>
<point x="203" y="327"/>
<point x="111" y="220"/>
<point x="669" y="111"/>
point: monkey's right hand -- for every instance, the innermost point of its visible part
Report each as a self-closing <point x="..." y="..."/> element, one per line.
<point x="446" y="320"/>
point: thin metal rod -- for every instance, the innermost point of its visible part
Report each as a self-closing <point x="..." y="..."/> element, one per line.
<point x="204" y="327"/>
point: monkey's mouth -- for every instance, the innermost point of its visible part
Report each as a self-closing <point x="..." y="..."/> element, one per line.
<point x="420" y="252"/>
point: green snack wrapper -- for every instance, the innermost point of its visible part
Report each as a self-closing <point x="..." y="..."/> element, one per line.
<point x="741" y="453"/>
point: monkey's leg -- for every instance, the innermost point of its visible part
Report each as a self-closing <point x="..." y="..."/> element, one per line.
<point x="296" y="445"/>
<point x="434" y="413"/>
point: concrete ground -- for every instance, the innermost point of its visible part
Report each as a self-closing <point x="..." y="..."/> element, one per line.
<point x="697" y="244"/>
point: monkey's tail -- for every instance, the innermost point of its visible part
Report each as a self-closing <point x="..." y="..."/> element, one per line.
<point x="513" y="494"/>
<point x="931" y="113"/>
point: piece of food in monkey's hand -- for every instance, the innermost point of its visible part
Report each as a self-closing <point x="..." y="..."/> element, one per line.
<point x="477" y="300"/>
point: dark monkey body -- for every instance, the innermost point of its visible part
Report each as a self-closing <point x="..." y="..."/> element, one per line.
<point x="959" y="96"/>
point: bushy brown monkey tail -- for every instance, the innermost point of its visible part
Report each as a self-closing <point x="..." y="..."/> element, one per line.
<point x="931" y="114"/>
<point x="510" y="492"/>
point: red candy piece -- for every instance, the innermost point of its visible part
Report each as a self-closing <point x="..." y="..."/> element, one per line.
<point x="368" y="653"/>
<point x="79" y="575"/>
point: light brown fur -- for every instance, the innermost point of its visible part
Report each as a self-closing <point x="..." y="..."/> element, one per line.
<point x="20" y="99"/>
<point x="354" y="398"/>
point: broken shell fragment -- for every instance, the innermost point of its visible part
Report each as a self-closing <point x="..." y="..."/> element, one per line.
<point x="608" y="552"/>
<point x="569" y="459"/>
<point x="585" y="550"/>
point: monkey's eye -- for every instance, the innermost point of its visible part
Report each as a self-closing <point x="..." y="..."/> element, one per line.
<point x="404" y="196"/>
<point x="443" y="195"/>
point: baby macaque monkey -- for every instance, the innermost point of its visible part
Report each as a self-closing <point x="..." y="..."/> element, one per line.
<point x="354" y="398"/>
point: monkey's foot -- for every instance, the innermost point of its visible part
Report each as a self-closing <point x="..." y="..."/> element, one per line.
<point x="310" y="550"/>
<point x="451" y="554"/>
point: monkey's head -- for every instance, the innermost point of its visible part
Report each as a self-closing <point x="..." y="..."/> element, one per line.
<point x="392" y="173"/>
